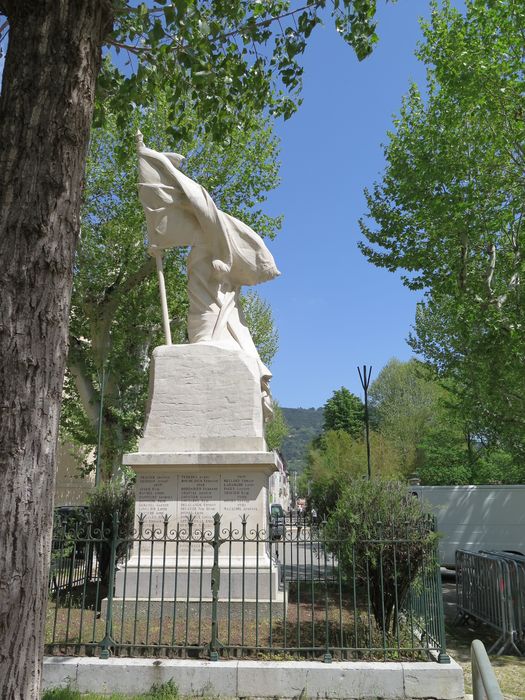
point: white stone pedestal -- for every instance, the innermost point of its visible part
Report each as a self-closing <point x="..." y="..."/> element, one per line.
<point x="203" y="452"/>
<point x="177" y="560"/>
<point x="204" y="397"/>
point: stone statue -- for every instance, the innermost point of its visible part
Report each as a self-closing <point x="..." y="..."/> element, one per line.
<point x="225" y="254"/>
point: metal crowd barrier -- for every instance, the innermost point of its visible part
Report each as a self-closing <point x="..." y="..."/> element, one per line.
<point x="490" y="587"/>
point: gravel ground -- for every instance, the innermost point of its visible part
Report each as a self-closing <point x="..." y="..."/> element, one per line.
<point x="509" y="670"/>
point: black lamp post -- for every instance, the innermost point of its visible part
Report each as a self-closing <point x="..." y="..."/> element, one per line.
<point x="365" y="383"/>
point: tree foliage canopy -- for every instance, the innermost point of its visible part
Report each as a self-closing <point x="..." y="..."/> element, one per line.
<point x="420" y="416"/>
<point x="407" y="402"/>
<point x="344" y="411"/>
<point x="276" y="429"/>
<point x="224" y="60"/>
<point x="338" y="459"/>
<point x="449" y="211"/>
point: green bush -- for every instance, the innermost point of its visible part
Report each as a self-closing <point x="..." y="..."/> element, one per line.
<point x="103" y="503"/>
<point x="164" y="691"/>
<point x="382" y="538"/>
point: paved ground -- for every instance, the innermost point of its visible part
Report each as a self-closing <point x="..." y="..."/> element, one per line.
<point x="510" y="670"/>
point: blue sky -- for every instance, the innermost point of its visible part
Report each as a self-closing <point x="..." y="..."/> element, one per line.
<point x="333" y="309"/>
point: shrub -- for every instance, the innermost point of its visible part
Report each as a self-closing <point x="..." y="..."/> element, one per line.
<point x="105" y="501"/>
<point x="382" y="538"/>
<point x="164" y="691"/>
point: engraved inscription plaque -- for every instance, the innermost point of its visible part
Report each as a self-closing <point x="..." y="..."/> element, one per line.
<point x="239" y="494"/>
<point x="199" y="495"/>
<point x="155" y="495"/>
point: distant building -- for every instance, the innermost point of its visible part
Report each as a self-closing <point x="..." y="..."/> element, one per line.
<point x="71" y="488"/>
<point x="279" y="485"/>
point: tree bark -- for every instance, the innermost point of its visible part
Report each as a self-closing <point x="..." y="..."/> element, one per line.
<point x="46" y="108"/>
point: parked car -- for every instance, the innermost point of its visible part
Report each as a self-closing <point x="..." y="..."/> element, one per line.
<point x="277" y="521"/>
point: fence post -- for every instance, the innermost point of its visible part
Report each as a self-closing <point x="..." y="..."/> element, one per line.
<point x="108" y="642"/>
<point x="89" y="547"/>
<point x="443" y="657"/>
<point x="327" y="658"/>
<point x="215" y="585"/>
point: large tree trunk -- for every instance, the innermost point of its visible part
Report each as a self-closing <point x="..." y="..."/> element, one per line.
<point x="46" y="109"/>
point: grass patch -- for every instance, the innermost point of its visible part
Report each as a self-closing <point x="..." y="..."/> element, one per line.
<point x="316" y="618"/>
<point x="164" y="691"/>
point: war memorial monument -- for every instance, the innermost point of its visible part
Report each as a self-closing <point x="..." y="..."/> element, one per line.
<point x="203" y="449"/>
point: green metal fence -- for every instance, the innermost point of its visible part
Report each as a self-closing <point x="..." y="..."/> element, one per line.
<point x="214" y="590"/>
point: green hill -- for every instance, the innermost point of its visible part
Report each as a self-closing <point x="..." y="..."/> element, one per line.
<point x="305" y="424"/>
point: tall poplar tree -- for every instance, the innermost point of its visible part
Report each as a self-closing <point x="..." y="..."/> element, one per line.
<point x="449" y="212"/>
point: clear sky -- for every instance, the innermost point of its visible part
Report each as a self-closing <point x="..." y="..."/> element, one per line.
<point x="333" y="309"/>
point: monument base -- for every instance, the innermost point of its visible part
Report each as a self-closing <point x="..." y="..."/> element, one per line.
<point x="180" y="543"/>
<point x="187" y="489"/>
<point x="202" y="483"/>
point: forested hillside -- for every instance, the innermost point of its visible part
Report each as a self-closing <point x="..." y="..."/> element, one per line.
<point x="304" y="425"/>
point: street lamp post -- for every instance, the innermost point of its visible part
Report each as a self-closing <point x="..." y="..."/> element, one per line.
<point x="100" y="416"/>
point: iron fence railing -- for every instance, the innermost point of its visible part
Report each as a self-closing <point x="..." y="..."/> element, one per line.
<point x="211" y="590"/>
<point x="72" y="563"/>
<point x="491" y="588"/>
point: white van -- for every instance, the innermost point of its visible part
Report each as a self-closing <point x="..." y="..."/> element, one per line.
<point x="476" y="517"/>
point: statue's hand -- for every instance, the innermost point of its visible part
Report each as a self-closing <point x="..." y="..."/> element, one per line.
<point x="155" y="251"/>
<point x="221" y="268"/>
